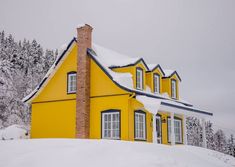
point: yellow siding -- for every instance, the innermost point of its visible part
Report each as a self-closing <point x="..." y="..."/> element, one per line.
<point x="166" y="85"/>
<point x="53" y="120"/>
<point x="57" y="87"/>
<point x="56" y="118"/>
<point x="132" y="70"/>
<point x="150" y="78"/>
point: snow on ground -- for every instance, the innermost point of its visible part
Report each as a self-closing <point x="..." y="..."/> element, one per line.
<point x="14" y="132"/>
<point x="105" y="153"/>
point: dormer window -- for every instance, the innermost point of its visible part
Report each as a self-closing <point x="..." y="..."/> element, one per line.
<point x="72" y="82"/>
<point x="156" y="83"/>
<point x="173" y="89"/>
<point x="139" y="78"/>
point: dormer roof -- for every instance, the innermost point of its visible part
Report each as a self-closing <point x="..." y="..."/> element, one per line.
<point x="170" y="73"/>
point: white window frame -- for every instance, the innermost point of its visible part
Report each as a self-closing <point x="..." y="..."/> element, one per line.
<point x="140" y="126"/>
<point x="177" y="129"/>
<point x="156" y="81"/>
<point x="111" y="127"/>
<point x="173" y="89"/>
<point x="72" y="82"/>
<point x="139" y="80"/>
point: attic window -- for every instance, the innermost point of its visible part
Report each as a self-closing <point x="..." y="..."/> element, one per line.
<point x="173" y="89"/>
<point x="156" y="83"/>
<point x="139" y="78"/>
<point x="72" y="82"/>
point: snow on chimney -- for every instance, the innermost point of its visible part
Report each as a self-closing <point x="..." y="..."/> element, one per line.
<point x="84" y="35"/>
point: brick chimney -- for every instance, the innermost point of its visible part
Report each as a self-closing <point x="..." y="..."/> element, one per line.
<point x="84" y="33"/>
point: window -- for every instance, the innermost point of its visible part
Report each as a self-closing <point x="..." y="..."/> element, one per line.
<point x="111" y="125"/>
<point x="156" y="82"/>
<point x="139" y="78"/>
<point x="140" y="125"/>
<point x="178" y="130"/>
<point x="72" y="82"/>
<point x="173" y="89"/>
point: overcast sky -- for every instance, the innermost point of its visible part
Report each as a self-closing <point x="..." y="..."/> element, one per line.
<point x="197" y="38"/>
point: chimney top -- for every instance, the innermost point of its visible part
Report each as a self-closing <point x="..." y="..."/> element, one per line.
<point x="83" y="25"/>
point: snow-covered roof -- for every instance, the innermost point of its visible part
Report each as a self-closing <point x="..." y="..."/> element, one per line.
<point x="169" y="73"/>
<point x="107" y="59"/>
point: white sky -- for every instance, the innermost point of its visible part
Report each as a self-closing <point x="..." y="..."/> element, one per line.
<point x="197" y="38"/>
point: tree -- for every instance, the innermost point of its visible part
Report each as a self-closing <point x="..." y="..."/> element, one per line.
<point x="22" y="66"/>
<point x="220" y="141"/>
<point x="231" y="146"/>
<point x="210" y="136"/>
<point x="194" y="131"/>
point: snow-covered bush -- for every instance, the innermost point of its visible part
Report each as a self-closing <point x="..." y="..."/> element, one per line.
<point x="14" y="132"/>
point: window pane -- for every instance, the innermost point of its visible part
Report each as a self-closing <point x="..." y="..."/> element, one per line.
<point x="111" y="125"/>
<point x="139" y="126"/>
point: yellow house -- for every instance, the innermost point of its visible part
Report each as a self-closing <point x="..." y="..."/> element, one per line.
<point x="93" y="92"/>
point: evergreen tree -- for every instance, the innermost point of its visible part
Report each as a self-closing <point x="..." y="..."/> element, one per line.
<point x="220" y="141"/>
<point x="194" y="131"/>
<point x="210" y="136"/>
<point x="25" y="63"/>
<point x="231" y="146"/>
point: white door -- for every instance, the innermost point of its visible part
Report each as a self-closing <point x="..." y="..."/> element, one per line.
<point x="159" y="129"/>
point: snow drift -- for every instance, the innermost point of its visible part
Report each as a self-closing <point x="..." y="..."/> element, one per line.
<point x="106" y="153"/>
<point x="14" y="132"/>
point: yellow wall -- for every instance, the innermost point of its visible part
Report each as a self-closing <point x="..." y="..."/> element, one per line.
<point x="105" y="95"/>
<point x="149" y="79"/>
<point x="54" y="111"/>
<point x="53" y="119"/>
<point x="166" y="85"/>
<point x="132" y="70"/>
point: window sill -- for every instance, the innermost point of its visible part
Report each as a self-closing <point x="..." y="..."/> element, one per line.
<point x="71" y="92"/>
<point x="140" y="139"/>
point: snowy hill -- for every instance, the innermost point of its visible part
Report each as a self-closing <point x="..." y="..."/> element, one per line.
<point x="106" y="153"/>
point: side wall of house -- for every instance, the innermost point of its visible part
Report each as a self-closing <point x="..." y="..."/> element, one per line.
<point x="54" y="111"/>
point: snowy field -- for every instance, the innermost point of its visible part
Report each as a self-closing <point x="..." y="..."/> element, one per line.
<point x="105" y="153"/>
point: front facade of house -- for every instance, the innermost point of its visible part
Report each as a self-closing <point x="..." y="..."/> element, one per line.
<point x="92" y="92"/>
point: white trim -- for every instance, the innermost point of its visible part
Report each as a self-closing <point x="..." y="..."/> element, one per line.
<point x="138" y="128"/>
<point x="110" y="127"/>
<point x="140" y="79"/>
<point x="156" y="82"/>
<point x="72" y="84"/>
<point x="159" y="139"/>
<point x="173" y="89"/>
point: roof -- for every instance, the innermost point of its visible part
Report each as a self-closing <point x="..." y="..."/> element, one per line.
<point x="152" y="67"/>
<point x="170" y="73"/>
<point x="106" y="59"/>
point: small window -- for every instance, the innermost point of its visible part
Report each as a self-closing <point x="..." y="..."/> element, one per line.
<point x="173" y="89"/>
<point x="72" y="82"/>
<point x="139" y="78"/>
<point x="156" y="82"/>
<point x="140" y="126"/>
<point x="177" y="129"/>
<point x="111" y="125"/>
